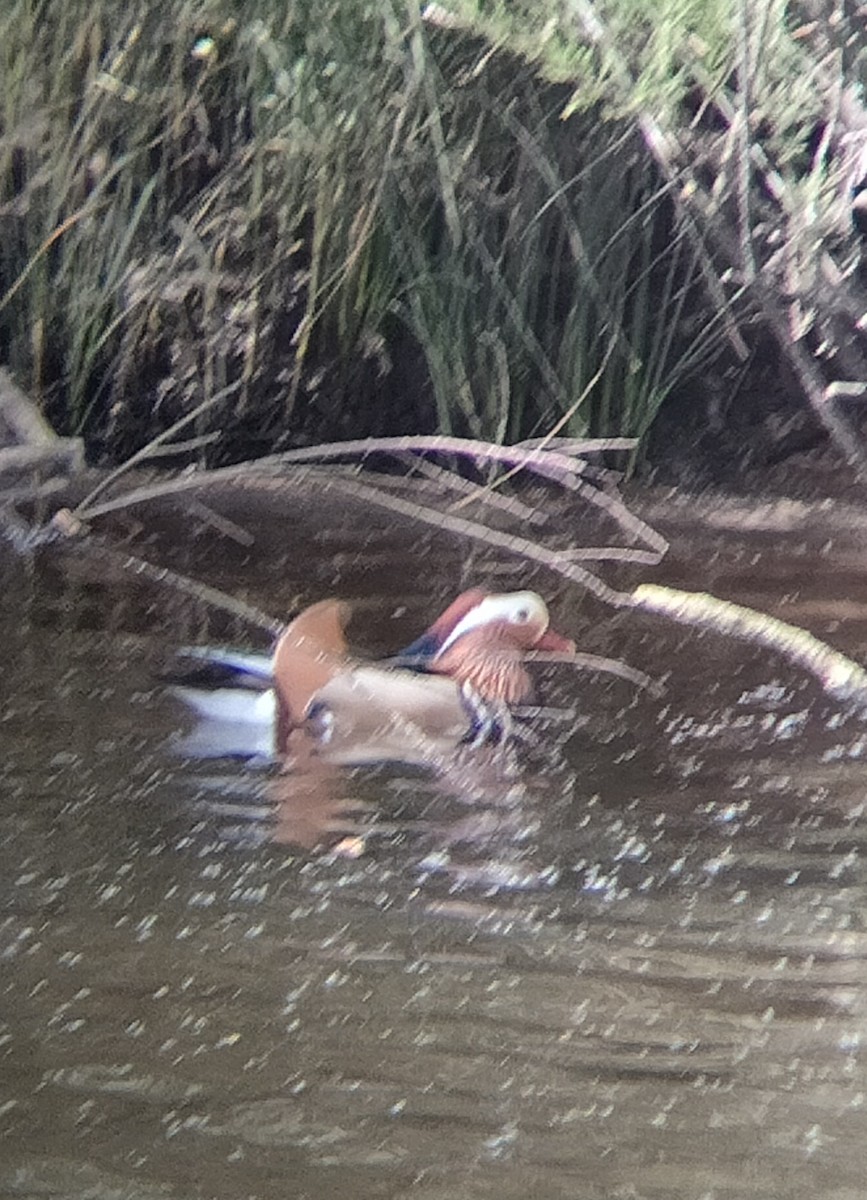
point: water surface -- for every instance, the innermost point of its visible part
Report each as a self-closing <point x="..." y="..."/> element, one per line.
<point x="626" y="961"/>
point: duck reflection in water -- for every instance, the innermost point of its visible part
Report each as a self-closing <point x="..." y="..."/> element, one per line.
<point x="450" y="694"/>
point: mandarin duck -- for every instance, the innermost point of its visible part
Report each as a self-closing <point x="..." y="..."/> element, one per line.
<point x="455" y="684"/>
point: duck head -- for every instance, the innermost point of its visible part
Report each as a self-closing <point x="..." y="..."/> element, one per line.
<point x="486" y="646"/>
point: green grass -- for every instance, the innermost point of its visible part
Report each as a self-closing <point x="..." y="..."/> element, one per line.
<point x="305" y="204"/>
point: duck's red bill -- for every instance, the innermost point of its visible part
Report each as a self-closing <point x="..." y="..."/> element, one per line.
<point x="554" y="641"/>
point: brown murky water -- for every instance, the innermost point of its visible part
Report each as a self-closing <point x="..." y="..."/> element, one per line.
<point x="628" y="962"/>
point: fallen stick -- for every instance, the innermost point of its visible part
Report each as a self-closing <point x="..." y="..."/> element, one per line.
<point x="837" y="674"/>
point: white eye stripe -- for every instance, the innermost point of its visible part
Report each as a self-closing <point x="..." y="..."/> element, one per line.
<point x="516" y="608"/>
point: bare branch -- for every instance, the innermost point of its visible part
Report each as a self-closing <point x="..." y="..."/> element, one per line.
<point x="836" y="673"/>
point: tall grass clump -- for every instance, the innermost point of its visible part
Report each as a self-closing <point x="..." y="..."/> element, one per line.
<point x="187" y="196"/>
<point x="341" y="219"/>
<point x="547" y="278"/>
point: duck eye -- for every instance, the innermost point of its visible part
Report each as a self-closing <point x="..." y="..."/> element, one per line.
<point x="523" y="614"/>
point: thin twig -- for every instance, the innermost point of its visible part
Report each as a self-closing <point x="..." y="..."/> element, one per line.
<point x="611" y="554"/>
<point x="84" y="510"/>
<point x="164" y="576"/>
<point x="596" y="662"/>
<point x="569" y="445"/>
<point x="473" y="493"/>
<point x="490" y="537"/>
<point x="229" y="529"/>
<point x="547" y="463"/>
<point x="191" y="482"/>
<point x="561" y="423"/>
<point x="186" y="447"/>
